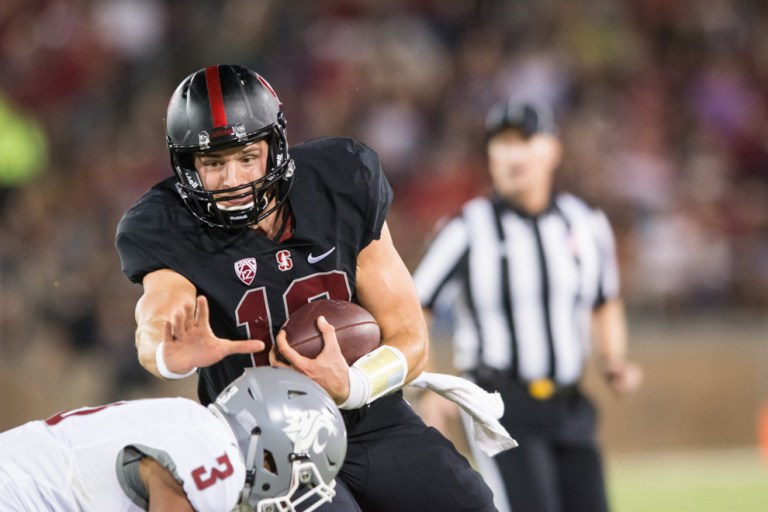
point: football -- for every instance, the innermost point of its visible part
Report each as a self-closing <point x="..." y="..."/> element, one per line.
<point x="356" y="329"/>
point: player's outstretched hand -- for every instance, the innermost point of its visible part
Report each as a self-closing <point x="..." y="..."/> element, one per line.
<point x="189" y="342"/>
<point x="329" y="369"/>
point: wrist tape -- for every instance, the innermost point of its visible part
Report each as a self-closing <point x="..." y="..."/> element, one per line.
<point x="163" y="370"/>
<point x="374" y="375"/>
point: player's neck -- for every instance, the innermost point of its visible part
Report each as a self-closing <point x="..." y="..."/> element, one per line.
<point x="274" y="225"/>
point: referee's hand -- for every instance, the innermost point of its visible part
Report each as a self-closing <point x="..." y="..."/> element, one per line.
<point x="624" y="377"/>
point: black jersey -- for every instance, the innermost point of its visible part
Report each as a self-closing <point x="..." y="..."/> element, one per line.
<point x="339" y="200"/>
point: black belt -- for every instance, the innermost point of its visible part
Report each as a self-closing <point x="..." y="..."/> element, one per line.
<point x="540" y="389"/>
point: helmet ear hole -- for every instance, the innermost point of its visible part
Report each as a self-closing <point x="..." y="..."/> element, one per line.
<point x="269" y="462"/>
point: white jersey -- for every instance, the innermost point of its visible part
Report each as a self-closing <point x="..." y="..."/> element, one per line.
<point x="73" y="461"/>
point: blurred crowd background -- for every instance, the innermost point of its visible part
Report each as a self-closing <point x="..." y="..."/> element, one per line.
<point x="662" y="109"/>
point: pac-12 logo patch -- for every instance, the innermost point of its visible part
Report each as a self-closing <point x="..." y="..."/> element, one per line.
<point x="246" y="269"/>
<point x="284" y="261"/>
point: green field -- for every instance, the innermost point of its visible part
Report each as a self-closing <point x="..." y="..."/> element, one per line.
<point x="722" y="481"/>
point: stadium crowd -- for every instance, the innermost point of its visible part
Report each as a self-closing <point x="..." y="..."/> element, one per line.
<point x="662" y="107"/>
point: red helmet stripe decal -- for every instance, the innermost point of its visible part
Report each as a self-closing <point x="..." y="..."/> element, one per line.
<point x="215" y="97"/>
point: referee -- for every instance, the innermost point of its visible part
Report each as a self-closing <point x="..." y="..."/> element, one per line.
<point x="528" y="273"/>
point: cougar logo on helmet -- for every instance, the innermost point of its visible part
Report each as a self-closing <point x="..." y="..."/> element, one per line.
<point x="305" y="429"/>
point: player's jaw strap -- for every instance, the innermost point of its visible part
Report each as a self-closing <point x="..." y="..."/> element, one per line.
<point x="374" y="375"/>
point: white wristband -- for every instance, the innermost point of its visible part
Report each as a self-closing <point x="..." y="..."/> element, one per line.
<point x="359" y="389"/>
<point x="163" y="370"/>
<point x="374" y="375"/>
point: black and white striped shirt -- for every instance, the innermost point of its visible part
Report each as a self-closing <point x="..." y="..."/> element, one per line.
<point x="522" y="287"/>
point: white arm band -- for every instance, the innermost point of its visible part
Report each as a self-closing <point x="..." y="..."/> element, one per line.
<point x="374" y="375"/>
<point x="163" y="370"/>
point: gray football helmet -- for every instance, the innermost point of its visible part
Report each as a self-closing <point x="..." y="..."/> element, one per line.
<point x="292" y="437"/>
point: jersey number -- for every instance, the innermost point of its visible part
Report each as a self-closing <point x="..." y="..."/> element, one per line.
<point x="221" y="472"/>
<point x="253" y="309"/>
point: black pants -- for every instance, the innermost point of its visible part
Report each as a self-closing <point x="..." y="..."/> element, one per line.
<point x="557" y="466"/>
<point x="395" y="463"/>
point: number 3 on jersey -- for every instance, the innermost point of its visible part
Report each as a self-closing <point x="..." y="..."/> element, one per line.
<point x="204" y="477"/>
<point x="253" y="309"/>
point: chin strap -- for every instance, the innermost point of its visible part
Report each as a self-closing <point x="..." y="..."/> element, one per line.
<point x="250" y="470"/>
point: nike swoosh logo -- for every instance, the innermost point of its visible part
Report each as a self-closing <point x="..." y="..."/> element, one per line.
<point x="314" y="259"/>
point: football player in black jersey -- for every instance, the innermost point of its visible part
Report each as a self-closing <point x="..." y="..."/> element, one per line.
<point x="248" y="231"/>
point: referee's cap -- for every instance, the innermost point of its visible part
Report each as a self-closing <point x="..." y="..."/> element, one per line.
<point x="528" y="117"/>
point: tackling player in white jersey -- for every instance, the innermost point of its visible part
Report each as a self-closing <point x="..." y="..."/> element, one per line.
<point x="251" y="447"/>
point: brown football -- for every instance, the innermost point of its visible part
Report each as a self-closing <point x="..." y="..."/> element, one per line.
<point x="356" y="329"/>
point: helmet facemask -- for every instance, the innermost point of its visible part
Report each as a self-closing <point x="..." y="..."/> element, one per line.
<point x="307" y="490"/>
<point x="267" y="192"/>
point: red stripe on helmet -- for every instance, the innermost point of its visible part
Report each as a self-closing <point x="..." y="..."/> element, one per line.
<point x="215" y="97"/>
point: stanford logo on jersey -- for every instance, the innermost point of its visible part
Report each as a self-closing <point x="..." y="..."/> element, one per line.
<point x="246" y="269"/>
<point x="284" y="261"/>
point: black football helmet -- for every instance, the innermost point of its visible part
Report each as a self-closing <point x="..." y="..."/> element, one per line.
<point x="220" y="107"/>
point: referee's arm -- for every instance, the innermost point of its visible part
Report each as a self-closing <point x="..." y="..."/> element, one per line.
<point x="609" y="322"/>
<point x="610" y="329"/>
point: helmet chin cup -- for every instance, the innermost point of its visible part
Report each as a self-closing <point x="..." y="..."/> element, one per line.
<point x="307" y="493"/>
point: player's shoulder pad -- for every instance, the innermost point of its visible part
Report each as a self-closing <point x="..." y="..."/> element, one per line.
<point x="337" y="153"/>
<point x="343" y="167"/>
<point x="160" y="206"/>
